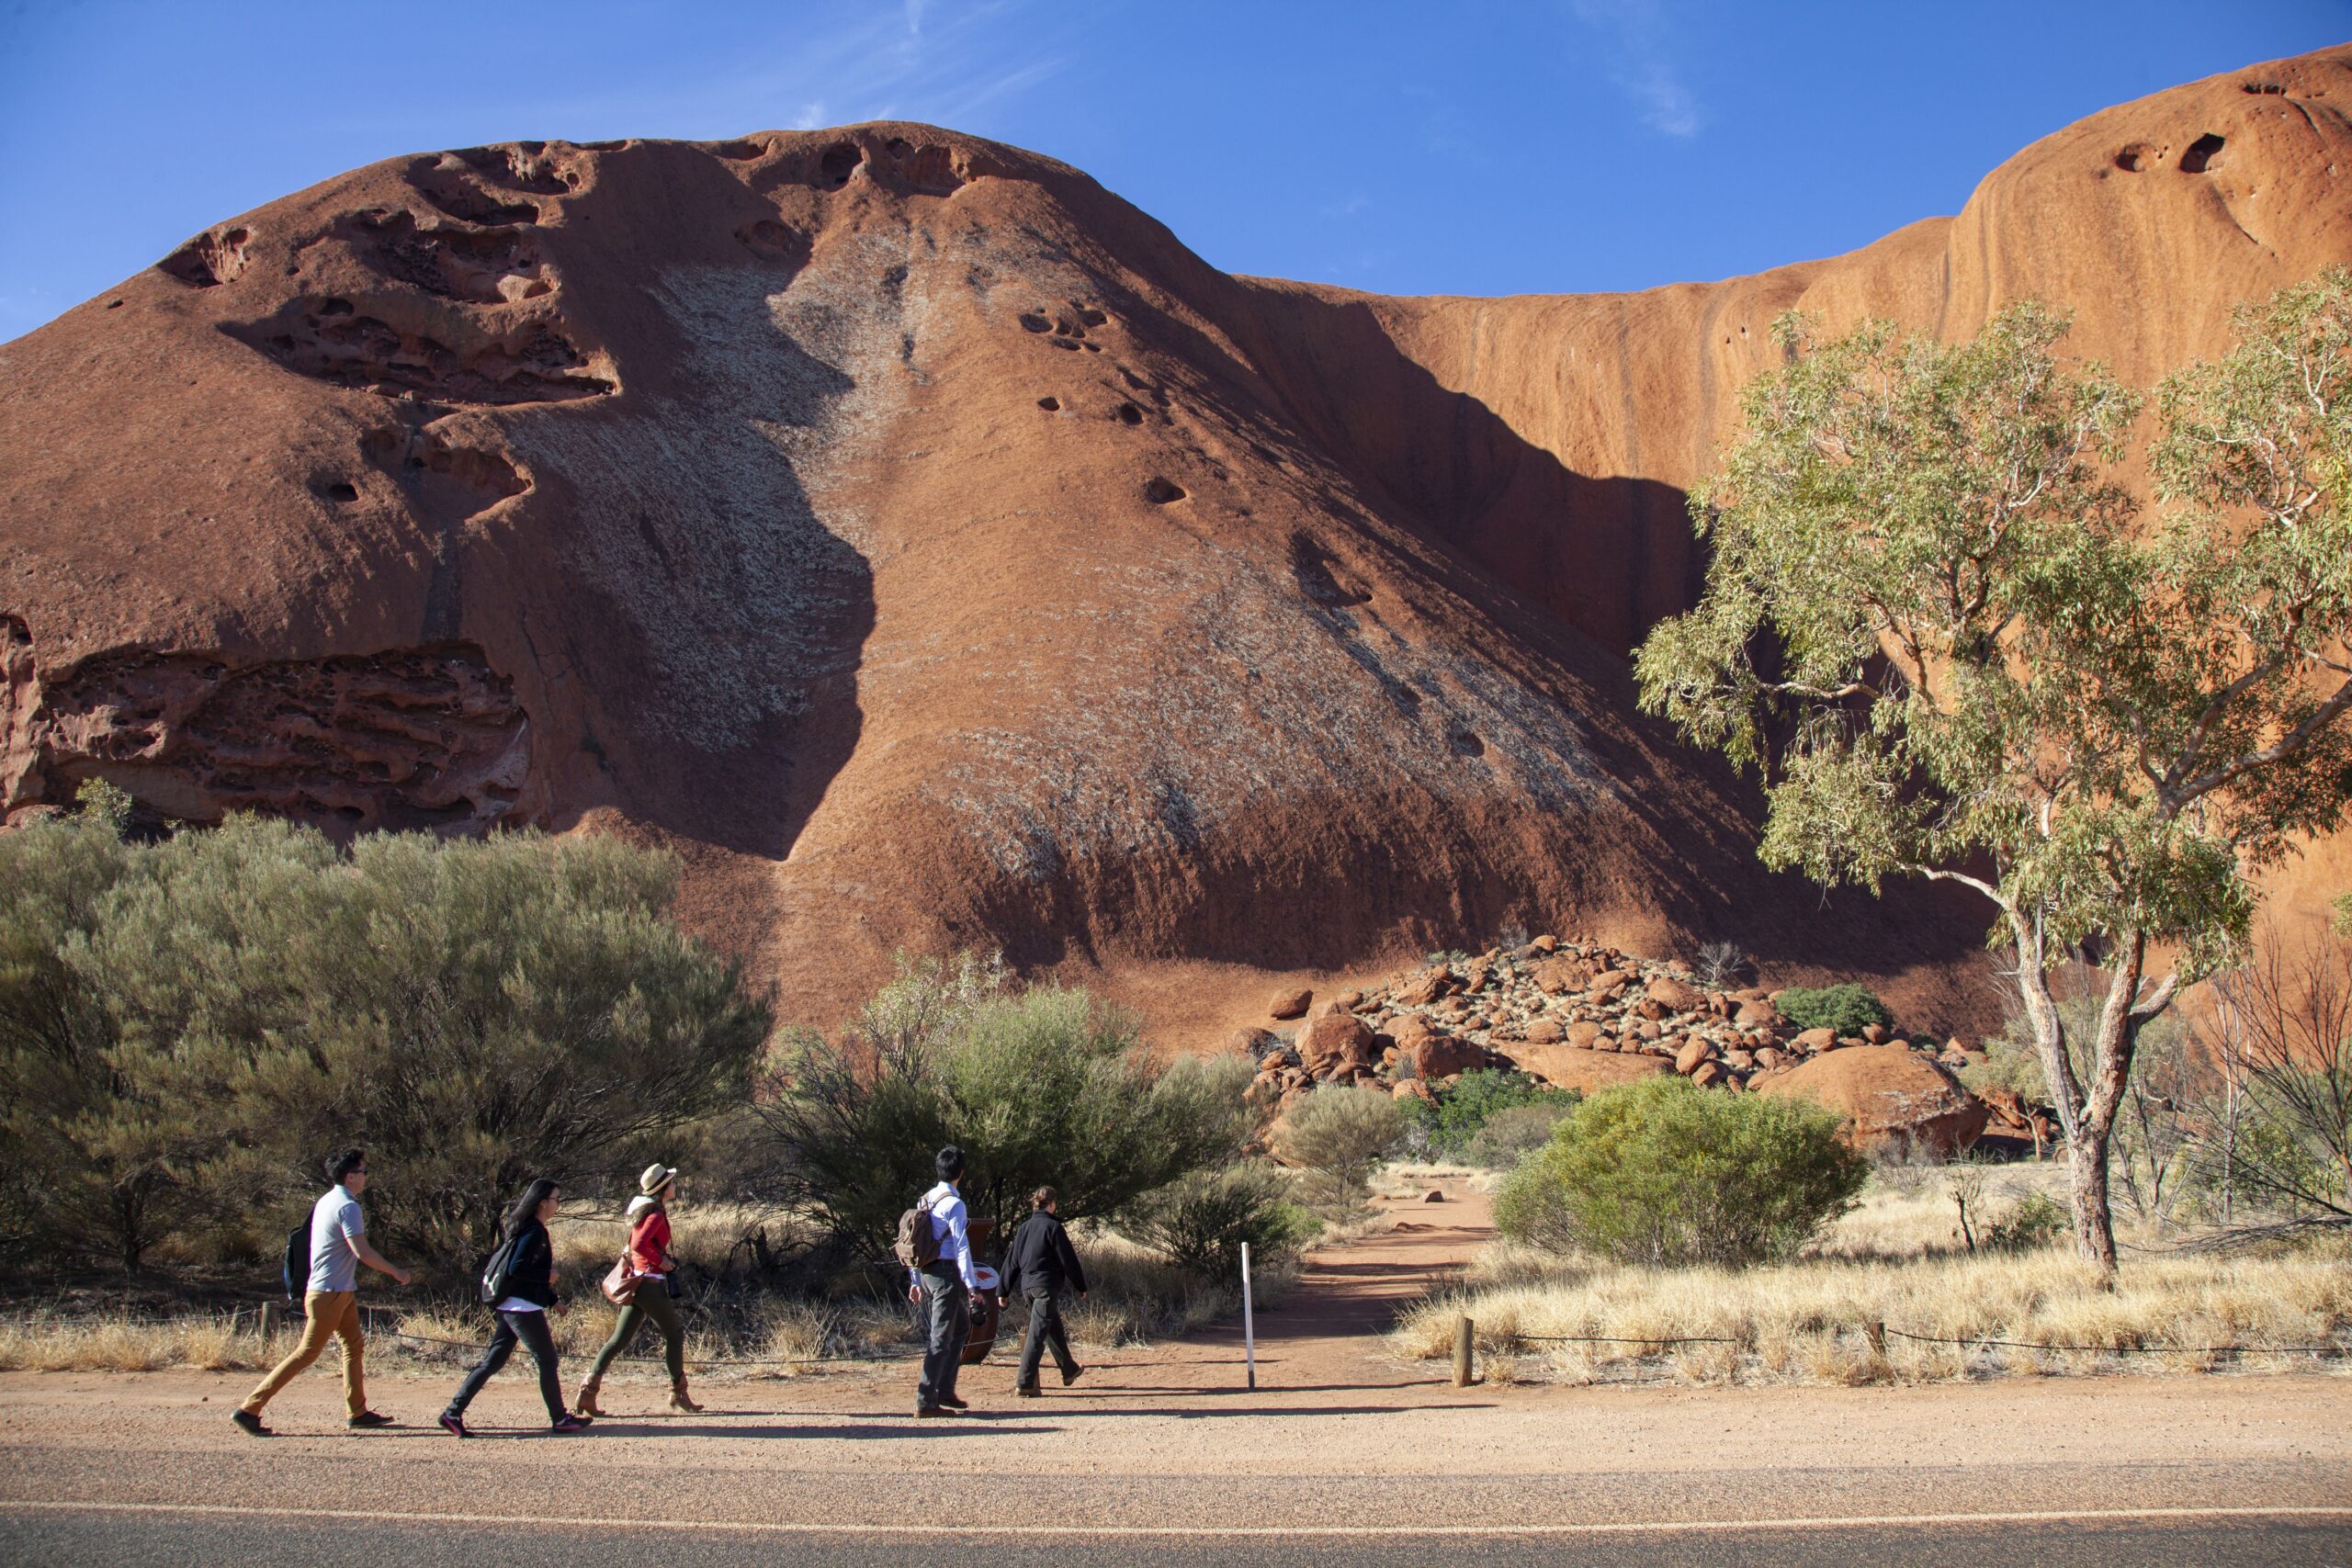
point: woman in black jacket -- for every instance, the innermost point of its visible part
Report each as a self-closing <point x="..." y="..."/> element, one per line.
<point x="523" y="1311"/>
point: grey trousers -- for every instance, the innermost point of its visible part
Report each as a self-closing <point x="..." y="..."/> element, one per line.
<point x="1045" y="1329"/>
<point x="947" y="1321"/>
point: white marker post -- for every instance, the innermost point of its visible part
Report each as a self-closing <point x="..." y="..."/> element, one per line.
<point x="1249" y="1323"/>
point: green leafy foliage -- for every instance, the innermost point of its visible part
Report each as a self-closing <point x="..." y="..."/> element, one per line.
<point x="1847" y="1008"/>
<point x="1512" y="1133"/>
<point x="1342" y="1133"/>
<point x="199" y="1021"/>
<point x="1201" y="1221"/>
<point x="1452" y="1117"/>
<point x="1662" y="1173"/>
<point x="1934" y="623"/>
<point x="1042" y="1088"/>
<point x="2034" y="1220"/>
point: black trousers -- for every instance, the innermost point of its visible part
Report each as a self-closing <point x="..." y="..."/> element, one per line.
<point x="1045" y="1328"/>
<point x="947" y="1322"/>
<point x="530" y="1328"/>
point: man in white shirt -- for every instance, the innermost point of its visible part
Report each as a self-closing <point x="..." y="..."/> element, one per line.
<point x="944" y="1288"/>
<point x="331" y="1303"/>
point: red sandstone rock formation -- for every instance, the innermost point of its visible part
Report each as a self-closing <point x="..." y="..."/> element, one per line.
<point x="935" y="552"/>
<point x="1892" y="1099"/>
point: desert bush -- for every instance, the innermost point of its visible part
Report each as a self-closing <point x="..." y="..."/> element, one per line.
<point x="243" y="999"/>
<point x="1849" y="1009"/>
<point x="1199" y="1223"/>
<point x="1450" y="1118"/>
<point x="1039" y="1088"/>
<point x="1512" y="1133"/>
<point x="80" y="1171"/>
<point x="1722" y="966"/>
<point x="1660" y="1172"/>
<point x="2276" y="1132"/>
<point x="2035" y="1220"/>
<point x="1342" y="1133"/>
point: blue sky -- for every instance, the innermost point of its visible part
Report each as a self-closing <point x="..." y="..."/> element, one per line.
<point x="1465" y="147"/>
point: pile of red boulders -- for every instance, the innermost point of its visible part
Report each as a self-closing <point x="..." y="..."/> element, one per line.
<point x="1585" y="1016"/>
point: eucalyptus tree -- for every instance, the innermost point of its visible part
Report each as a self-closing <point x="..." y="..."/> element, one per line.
<point x="1935" y="625"/>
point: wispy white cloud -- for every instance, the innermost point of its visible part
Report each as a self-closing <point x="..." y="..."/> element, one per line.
<point x="1633" y="35"/>
<point x="951" y="66"/>
<point x="1346" y="208"/>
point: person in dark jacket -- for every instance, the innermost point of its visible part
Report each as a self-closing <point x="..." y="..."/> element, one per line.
<point x="523" y="1312"/>
<point x="1038" y="1263"/>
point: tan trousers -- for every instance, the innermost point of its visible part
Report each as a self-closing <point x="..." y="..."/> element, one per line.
<point x="331" y="1314"/>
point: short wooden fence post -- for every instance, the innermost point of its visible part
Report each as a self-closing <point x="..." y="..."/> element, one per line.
<point x="1464" y="1371"/>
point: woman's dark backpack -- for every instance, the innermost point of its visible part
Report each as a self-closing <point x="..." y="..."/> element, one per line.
<point x="497" y="1273"/>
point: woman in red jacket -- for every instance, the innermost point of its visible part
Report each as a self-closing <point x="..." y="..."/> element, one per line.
<point x="649" y="1261"/>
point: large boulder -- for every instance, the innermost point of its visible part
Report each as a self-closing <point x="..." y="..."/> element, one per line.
<point x="1291" y="1004"/>
<point x="1436" y="1055"/>
<point x="1892" y="1099"/>
<point x="1336" y="1043"/>
<point x="1569" y="1066"/>
<point x="1675" y="996"/>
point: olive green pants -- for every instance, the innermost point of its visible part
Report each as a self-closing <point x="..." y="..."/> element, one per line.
<point x="653" y="1300"/>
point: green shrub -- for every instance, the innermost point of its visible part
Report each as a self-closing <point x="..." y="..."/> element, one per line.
<point x="1662" y="1173"/>
<point x="1342" y="1133"/>
<point x="1509" y="1136"/>
<point x="2035" y="1221"/>
<point x="242" y="1000"/>
<point x="1848" y="1009"/>
<point x="1199" y="1223"/>
<point x="1452" y="1116"/>
<point x="1042" y="1088"/>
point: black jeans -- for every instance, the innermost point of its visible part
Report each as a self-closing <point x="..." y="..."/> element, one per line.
<point x="531" y="1328"/>
<point x="947" y="1316"/>
<point x="1045" y="1328"/>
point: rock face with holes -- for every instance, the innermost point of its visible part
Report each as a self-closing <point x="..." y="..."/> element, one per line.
<point x="932" y="550"/>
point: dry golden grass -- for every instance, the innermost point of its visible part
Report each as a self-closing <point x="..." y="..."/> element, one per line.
<point x="1134" y="1297"/>
<point x="588" y="1241"/>
<point x="49" y="1344"/>
<point x="1893" y="1262"/>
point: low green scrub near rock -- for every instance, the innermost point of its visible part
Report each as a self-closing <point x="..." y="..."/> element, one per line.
<point x="1488" y="1117"/>
<point x="1663" y="1173"/>
<point x="1038" y="1088"/>
<point x="1199" y="1223"/>
<point x="1849" y="1009"/>
<point x="1343" y="1134"/>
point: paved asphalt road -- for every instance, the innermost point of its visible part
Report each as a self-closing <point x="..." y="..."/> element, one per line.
<point x="176" y="1539"/>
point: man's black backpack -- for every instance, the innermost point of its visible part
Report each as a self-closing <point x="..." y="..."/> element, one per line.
<point x="297" y="1262"/>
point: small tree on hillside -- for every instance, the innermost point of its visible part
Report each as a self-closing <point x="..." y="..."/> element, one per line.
<point x="1929" y="621"/>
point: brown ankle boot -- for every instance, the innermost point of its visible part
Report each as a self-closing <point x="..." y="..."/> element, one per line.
<point x="586" y="1403"/>
<point x="678" y="1399"/>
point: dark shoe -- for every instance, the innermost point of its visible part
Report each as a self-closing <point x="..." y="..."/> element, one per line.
<point x="1027" y="1391"/>
<point x="371" y="1419"/>
<point x="1071" y="1374"/>
<point x="952" y="1403"/>
<point x="250" y="1423"/>
<point x="454" y="1425"/>
<point x="568" y="1422"/>
<point x="930" y="1411"/>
